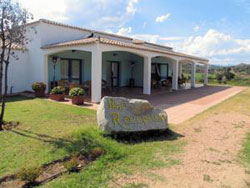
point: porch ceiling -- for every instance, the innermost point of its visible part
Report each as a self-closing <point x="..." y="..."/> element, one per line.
<point x="86" y="41"/>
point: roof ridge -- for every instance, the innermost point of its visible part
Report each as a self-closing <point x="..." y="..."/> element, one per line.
<point x="84" y="29"/>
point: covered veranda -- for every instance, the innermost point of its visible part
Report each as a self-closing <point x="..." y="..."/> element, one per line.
<point x="137" y="64"/>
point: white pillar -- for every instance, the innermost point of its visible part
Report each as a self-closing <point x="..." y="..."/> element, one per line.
<point x="206" y="74"/>
<point x="193" y="73"/>
<point x="96" y="75"/>
<point x="175" y="75"/>
<point x="180" y="69"/>
<point x="147" y="76"/>
<point x="46" y="72"/>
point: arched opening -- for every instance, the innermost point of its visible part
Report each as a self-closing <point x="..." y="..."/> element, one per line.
<point x="186" y="71"/>
<point x="122" y="73"/>
<point x="193" y="72"/>
<point x="162" y="72"/>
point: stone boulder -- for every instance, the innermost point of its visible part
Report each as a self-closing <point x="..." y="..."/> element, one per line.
<point x="118" y="114"/>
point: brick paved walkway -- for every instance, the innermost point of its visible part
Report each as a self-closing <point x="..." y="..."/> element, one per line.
<point x="183" y="105"/>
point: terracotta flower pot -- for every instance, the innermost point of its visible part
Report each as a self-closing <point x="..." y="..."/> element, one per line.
<point x="40" y="93"/>
<point x="78" y="100"/>
<point x="57" y="97"/>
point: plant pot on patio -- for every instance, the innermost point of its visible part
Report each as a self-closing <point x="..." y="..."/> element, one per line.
<point x="77" y="95"/>
<point x="57" y="97"/>
<point x="78" y="100"/>
<point x="39" y="89"/>
<point x="57" y="93"/>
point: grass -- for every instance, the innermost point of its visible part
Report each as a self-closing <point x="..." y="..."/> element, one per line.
<point x="237" y="81"/>
<point x="50" y="131"/>
<point x="246" y="150"/>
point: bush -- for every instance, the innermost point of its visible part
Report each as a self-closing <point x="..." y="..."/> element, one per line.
<point x="224" y="80"/>
<point x="96" y="152"/>
<point x="29" y="175"/>
<point x="219" y="77"/>
<point x="229" y="75"/>
<point x="57" y="90"/>
<point x="38" y="86"/>
<point x="72" y="164"/>
<point x="76" y="92"/>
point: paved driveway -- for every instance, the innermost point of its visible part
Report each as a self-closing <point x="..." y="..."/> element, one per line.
<point x="182" y="105"/>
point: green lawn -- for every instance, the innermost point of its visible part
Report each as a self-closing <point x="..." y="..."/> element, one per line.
<point x="246" y="150"/>
<point x="50" y="131"/>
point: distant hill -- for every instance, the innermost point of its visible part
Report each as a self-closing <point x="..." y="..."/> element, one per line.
<point x="240" y="68"/>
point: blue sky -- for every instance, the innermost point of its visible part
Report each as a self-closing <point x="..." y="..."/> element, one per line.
<point x="214" y="29"/>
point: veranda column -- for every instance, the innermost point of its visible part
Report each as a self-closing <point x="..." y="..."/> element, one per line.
<point x="175" y="75"/>
<point x="147" y="76"/>
<point x="96" y="75"/>
<point x="193" y="73"/>
<point x="46" y="74"/>
<point x="206" y="74"/>
<point x="180" y="69"/>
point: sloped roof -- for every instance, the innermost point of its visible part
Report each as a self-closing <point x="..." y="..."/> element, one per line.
<point x="93" y="31"/>
<point x="15" y="46"/>
<point x="86" y="41"/>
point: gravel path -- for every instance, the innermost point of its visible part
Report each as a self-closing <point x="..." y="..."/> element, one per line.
<point x="210" y="158"/>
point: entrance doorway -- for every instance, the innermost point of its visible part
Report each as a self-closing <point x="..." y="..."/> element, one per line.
<point x="115" y="74"/>
<point x="71" y="70"/>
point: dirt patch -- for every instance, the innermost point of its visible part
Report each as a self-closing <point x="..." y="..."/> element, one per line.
<point x="210" y="158"/>
<point x="52" y="170"/>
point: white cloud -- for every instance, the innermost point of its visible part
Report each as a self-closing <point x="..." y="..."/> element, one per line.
<point x="197" y="28"/>
<point x="95" y="14"/>
<point x="162" y="18"/>
<point x="219" y="47"/>
<point x="55" y="9"/>
<point x="131" y="9"/>
<point x="125" y="31"/>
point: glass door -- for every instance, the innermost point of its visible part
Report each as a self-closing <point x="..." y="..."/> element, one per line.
<point x="115" y="73"/>
<point x="76" y="71"/>
<point x="71" y="70"/>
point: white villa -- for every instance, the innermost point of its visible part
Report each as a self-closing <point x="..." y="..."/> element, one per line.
<point x="67" y="53"/>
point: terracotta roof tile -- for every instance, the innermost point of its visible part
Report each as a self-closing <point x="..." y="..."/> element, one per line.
<point x="121" y="44"/>
<point x="71" y="43"/>
<point x="15" y="46"/>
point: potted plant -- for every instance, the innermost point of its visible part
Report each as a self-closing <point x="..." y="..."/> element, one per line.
<point x="77" y="95"/>
<point x="57" y="93"/>
<point x="39" y="89"/>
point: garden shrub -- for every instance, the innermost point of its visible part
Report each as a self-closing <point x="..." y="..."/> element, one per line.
<point x="76" y="92"/>
<point x="96" y="152"/>
<point x="57" y="90"/>
<point x="72" y="164"/>
<point x="29" y="175"/>
<point x="219" y="77"/>
<point x="38" y="86"/>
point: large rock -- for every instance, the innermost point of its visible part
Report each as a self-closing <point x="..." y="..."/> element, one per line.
<point x="117" y="114"/>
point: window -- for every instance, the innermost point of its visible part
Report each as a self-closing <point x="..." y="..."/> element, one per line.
<point x="71" y="70"/>
<point x="64" y="70"/>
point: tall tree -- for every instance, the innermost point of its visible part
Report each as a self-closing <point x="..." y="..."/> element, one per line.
<point x="13" y="19"/>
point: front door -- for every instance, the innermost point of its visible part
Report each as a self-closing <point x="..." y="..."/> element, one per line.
<point x="115" y="74"/>
<point x="71" y="70"/>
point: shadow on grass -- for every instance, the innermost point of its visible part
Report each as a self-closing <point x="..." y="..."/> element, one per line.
<point x="147" y="136"/>
<point x="79" y="142"/>
<point x="18" y="98"/>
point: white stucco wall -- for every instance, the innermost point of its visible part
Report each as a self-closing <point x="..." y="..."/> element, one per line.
<point x="17" y="73"/>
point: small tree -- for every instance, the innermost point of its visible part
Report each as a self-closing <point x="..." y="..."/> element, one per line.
<point x="12" y="34"/>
